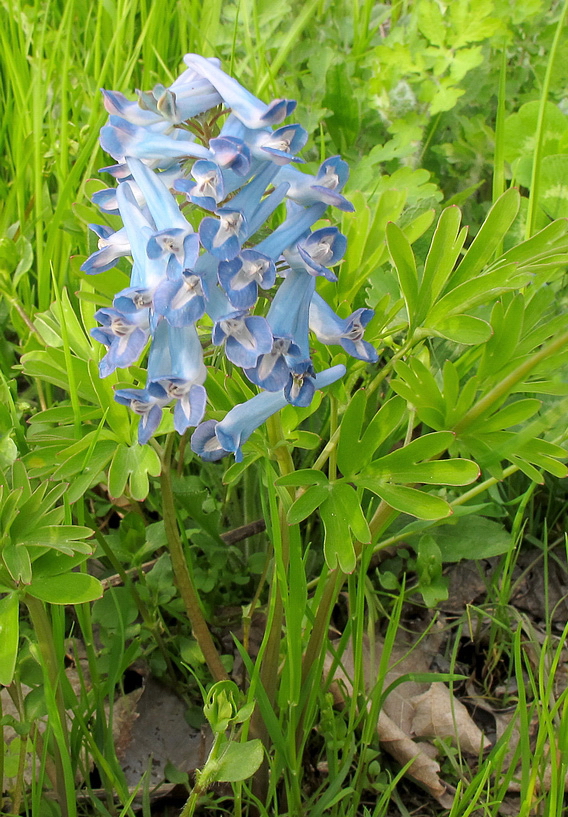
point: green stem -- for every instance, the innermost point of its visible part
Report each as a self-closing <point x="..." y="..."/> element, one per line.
<point x="501" y="390"/>
<point x="540" y="130"/>
<point x="182" y="576"/>
<point x="46" y="645"/>
<point x="268" y="674"/>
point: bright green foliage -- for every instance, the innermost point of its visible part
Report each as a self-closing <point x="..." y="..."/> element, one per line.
<point x="38" y="552"/>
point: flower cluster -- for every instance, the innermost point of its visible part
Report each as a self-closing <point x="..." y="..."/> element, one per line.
<point x="168" y="145"/>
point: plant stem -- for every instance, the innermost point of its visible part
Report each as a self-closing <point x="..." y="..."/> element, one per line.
<point x="46" y="645"/>
<point x="182" y="576"/>
<point x="502" y="389"/>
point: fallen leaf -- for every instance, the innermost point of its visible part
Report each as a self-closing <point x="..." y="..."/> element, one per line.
<point x="438" y="714"/>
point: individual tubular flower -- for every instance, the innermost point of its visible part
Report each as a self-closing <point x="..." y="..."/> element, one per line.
<point x="300" y="388"/>
<point x="125" y="336"/>
<point x="231" y="152"/>
<point x="207" y="190"/>
<point x="272" y="371"/>
<point x="246" y="337"/>
<point x="288" y="318"/>
<point x="106" y="200"/>
<point x="147" y="405"/>
<point x="288" y="234"/>
<point x="280" y="146"/>
<point x="288" y="315"/>
<point x="188" y="96"/>
<point x="330" y="329"/>
<point x="223" y="236"/>
<point x="146" y="272"/>
<point x="176" y="371"/>
<point x="247" y="211"/>
<point x="241" y="277"/>
<point x="121" y="138"/>
<point x="246" y="107"/>
<point x="112" y="246"/>
<point x="322" y="248"/>
<point x="174" y="236"/>
<point x="213" y="440"/>
<point x="325" y="186"/>
<point x="180" y="299"/>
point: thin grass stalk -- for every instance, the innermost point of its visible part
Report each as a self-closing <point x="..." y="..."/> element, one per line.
<point x="540" y="128"/>
<point x="499" y="158"/>
<point x="46" y="646"/>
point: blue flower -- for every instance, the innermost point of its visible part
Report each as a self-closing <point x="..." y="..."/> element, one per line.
<point x="321" y="248"/>
<point x="112" y="246"/>
<point x="288" y="315"/>
<point x="300" y="388"/>
<point x="280" y="146"/>
<point x="181" y="299"/>
<point x="250" y="110"/>
<point x="125" y="337"/>
<point x="223" y="237"/>
<point x="176" y="371"/>
<point x="121" y="138"/>
<point x="246" y="337"/>
<point x="241" y="277"/>
<point x="291" y="231"/>
<point x="331" y="178"/>
<point x="207" y="190"/>
<point x="148" y="406"/>
<point x="231" y="151"/>
<point x="175" y="235"/>
<point x="146" y="272"/>
<point x="213" y="440"/>
<point x="272" y="371"/>
<point x="330" y="329"/>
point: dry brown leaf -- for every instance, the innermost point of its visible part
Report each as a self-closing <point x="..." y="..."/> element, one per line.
<point x="424" y="769"/>
<point x="438" y="714"/>
<point x="155" y="733"/>
<point x="394" y="727"/>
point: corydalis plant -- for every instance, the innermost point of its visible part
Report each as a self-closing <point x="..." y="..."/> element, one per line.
<point x="166" y="145"/>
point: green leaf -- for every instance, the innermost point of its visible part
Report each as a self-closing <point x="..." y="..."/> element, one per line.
<point x="463" y="329"/>
<point x="9" y="636"/>
<point x="439" y="472"/>
<point x="307" y="503"/>
<point x="18" y="563"/>
<point x="445" y="248"/>
<point x="489" y="237"/>
<point x="472" y="537"/>
<point x="66" y="588"/>
<point x="423" y="448"/>
<point x="417" y="385"/>
<point x="307" y="440"/>
<point x="477" y="291"/>
<point x="60" y="537"/>
<point x="239" y="761"/>
<point x="407" y="500"/>
<point x="512" y="415"/>
<point x="405" y="265"/>
<point x="348" y="502"/>
<point x="133" y="463"/>
<point x="553" y="190"/>
<point x="305" y="476"/>
<point x="337" y="546"/>
<point x="354" y="451"/>
<point x="547" y="239"/>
